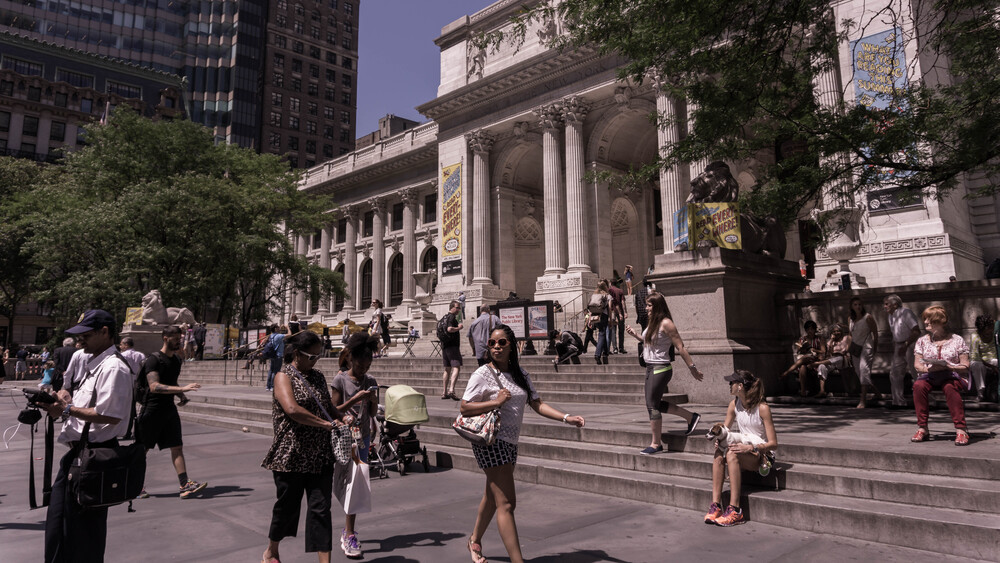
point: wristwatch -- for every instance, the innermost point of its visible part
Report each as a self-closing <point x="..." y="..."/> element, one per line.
<point x="66" y="411"/>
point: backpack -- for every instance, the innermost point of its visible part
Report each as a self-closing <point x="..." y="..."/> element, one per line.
<point x="577" y="341"/>
<point x="442" y="330"/>
<point x="598" y="302"/>
<point x="270" y="350"/>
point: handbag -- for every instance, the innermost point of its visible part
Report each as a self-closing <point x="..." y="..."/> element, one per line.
<point x="340" y="435"/>
<point x="481" y="429"/>
<point x="108" y="475"/>
<point x="855" y="349"/>
<point x="353" y="487"/>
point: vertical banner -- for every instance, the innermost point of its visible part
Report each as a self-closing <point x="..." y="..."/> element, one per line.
<point x="681" y="227"/>
<point x="451" y="219"/>
<point x="718" y="223"/>
<point x="214" y="341"/>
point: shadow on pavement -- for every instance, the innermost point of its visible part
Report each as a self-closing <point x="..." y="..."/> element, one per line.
<point x="587" y="556"/>
<point x="38" y="526"/>
<point x="423" y="539"/>
<point x="225" y="491"/>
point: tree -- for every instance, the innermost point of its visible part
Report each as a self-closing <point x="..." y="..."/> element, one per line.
<point x="751" y="69"/>
<point x="158" y="205"/>
<point x="17" y="176"/>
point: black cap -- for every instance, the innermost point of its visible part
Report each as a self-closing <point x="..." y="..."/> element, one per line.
<point x="737" y="377"/>
<point x="92" y="320"/>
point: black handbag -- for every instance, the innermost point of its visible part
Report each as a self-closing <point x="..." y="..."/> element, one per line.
<point x="106" y="475"/>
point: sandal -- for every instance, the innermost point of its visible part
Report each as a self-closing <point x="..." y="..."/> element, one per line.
<point x="476" y="551"/>
<point x="962" y="439"/>
<point x="922" y="436"/>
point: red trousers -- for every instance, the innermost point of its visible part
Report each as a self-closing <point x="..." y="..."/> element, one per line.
<point x="952" y="393"/>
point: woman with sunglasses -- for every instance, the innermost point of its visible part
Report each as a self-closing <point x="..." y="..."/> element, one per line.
<point x="301" y="456"/>
<point x="351" y="392"/>
<point x="753" y="416"/>
<point x="502" y="384"/>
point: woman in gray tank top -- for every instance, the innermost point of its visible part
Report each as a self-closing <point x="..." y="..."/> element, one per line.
<point x="659" y="335"/>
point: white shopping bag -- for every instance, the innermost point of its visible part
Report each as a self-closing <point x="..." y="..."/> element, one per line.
<point x="352" y="486"/>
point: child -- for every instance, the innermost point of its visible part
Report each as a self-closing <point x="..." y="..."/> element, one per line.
<point x="47" y="375"/>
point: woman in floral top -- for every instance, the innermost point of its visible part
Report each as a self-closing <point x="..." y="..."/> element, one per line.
<point x="942" y="360"/>
<point x="301" y="456"/>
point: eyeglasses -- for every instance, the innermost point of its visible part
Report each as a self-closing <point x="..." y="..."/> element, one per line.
<point x="502" y="342"/>
<point x="310" y="357"/>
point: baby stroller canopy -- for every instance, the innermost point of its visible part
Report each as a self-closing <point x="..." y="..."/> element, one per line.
<point x="404" y="405"/>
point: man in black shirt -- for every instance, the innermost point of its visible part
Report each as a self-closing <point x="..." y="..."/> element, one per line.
<point x="159" y="424"/>
<point x="199" y="341"/>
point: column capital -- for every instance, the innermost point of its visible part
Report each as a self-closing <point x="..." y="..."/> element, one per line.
<point x="349" y="212"/>
<point x="480" y="141"/>
<point x="378" y="204"/>
<point x="574" y="109"/>
<point x="408" y="195"/>
<point x="549" y="116"/>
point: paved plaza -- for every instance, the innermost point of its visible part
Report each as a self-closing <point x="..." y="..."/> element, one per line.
<point x="418" y="517"/>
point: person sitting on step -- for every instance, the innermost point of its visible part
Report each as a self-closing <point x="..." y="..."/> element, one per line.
<point x="837" y="345"/>
<point x="809" y="349"/>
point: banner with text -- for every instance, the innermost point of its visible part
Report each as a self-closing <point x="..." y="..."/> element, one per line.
<point x="451" y="219"/>
<point x="718" y="223"/>
<point x="214" y="341"/>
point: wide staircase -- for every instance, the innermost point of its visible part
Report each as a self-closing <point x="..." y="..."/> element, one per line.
<point x="932" y="498"/>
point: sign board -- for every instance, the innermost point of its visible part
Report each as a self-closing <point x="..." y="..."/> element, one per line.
<point x="214" y="341"/>
<point x="514" y="318"/>
<point x="718" y="223"/>
<point x="528" y="319"/>
<point x="889" y="199"/>
<point x="681" y="227"/>
<point x="133" y="316"/>
<point x="451" y="220"/>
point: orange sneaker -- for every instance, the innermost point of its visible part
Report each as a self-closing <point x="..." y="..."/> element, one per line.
<point x="714" y="511"/>
<point x="732" y="517"/>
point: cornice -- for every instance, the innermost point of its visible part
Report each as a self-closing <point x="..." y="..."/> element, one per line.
<point x="423" y="155"/>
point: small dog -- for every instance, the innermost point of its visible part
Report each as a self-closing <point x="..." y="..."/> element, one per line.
<point x="726" y="437"/>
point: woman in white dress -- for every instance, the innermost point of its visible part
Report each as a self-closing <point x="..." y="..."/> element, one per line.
<point x="864" y="342"/>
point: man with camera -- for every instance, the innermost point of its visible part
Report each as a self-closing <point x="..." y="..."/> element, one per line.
<point x="102" y="398"/>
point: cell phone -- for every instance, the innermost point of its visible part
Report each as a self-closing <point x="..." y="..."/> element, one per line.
<point x="373" y="389"/>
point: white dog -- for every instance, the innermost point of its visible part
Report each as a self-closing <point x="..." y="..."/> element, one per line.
<point x="727" y="437"/>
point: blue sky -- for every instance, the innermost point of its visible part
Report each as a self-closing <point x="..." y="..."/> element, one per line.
<point x="398" y="62"/>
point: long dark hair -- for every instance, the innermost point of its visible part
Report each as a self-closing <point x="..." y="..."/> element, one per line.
<point x="358" y="346"/>
<point x="854" y="316"/>
<point x="753" y="389"/>
<point x="513" y="366"/>
<point x="300" y="341"/>
<point x="660" y="311"/>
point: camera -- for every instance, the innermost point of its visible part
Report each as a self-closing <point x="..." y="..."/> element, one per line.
<point x="36" y="399"/>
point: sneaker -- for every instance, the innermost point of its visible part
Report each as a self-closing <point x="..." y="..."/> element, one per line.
<point x="351" y="545"/>
<point x="192" y="487"/>
<point x="555" y="365"/>
<point x="143" y="494"/>
<point x="732" y="517"/>
<point x="649" y="450"/>
<point x="695" y="419"/>
<point x="714" y="511"/>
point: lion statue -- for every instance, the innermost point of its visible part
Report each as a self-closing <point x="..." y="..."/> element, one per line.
<point x="717" y="185"/>
<point x="154" y="313"/>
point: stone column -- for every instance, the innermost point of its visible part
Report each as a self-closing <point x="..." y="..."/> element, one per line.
<point x="409" y="197"/>
<point x="324" y="262"/>
<point x="574" y="111"/>
<point x="550" y="118"/>
<point x="350" y="212"/>
<point x="828" y="92"/>
<point x="300" y="296"/>
<point x="673" y="191"/>
<point x="378" y="249"/>
<point x="698" y="166"/>
<point x="480" y="142"/>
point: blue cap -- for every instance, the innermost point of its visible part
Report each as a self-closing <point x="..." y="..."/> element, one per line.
<point x="92" y="320"/>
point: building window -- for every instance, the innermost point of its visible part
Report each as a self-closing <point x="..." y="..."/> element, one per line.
<point x="396" y="280"/>
<point x="58" y="131"/>
<point x="34" y="94"/>
<point x="345" y="98"/>
<point x="341" y="230"/>
<point x="328" y="151"/>
<point x="430" y="261"/>
<point x="299" y="10"/>
<point x="313" y="71"/>
<point x="313" y="108"/>
<point x="276" y="98"/>
<point x="81" y="136"/>
<point x="312" y="89"/>
<point x="274" y="141"/>
<point x="348" y="27"/>
<point x="348" y="8"/>
<point x="345" y="136"/>
<point x="296" y="65"/>
<point x="328" y="113"/>
<point x="314" y="31"/>
<point x="28" y="148"/>
<point x="331" y="75"/>
<point x="30" y="126"/>
<point x="345" y="80"/>
<point x="345" y="42"/>
<point x="278" y="80"/>
<point x="329" y="94"/>
<point x="297" y="84"/>
<point x="331" y="37"/>
<point x="4" y="121"/>
<point x="280" y="20"/>
<point x="331" y="58"/>
<point x="297" y="28"/>
<point x="293" y="144"/>
<point x="338" y="300"/>
<point x="6" y="88"/>
<point x="293" y="104"/>
<point x="333" y="4"/>
<point x="366" y="283"/>
<point x="311" y="147"/>
<point x="367" y="227"/>
<point x="86" y="105"/>
<point x="344" y="150"/>
<point x="279" y="60"/>
<point x="293" y="162"/>
<point x="314" y="52"/>
<point x="430" y="209"/>
<point x="328" y="132"/>
<point x="297" y="47"/>
<point x="281" y="41"/>
<point x="293" y="123"/>
<point x="275" y="119"/>
<point x="282" y="4"/>
<point x="74" y="78"/>
<point x="345" y="117"/>
<point x="397" y="217"/>
<point x="20" y="66"/>
<point x="61" y="99"/>
<point x="311" y="127"/>
<point x="347" y="63"/>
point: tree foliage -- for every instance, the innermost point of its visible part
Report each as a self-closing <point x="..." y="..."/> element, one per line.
<point x="751" y="68"/>
<point x="16" y="269"/>
<point x="158" y="205"/>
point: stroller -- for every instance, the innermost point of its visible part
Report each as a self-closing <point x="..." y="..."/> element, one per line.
<point x="398" y="444"/>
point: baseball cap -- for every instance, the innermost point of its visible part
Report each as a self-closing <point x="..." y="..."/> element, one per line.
<point x="91" y="320"/>
<point x="737" y="377"/>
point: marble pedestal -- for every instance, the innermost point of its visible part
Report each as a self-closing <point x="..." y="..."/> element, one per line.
<point x="572" y="290"/>
<point x="146" y="338"/>
<point x="729" y="309"/>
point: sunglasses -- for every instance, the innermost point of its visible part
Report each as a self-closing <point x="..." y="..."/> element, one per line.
<point x="502" y="342"/>
<point x="310" y="357"/>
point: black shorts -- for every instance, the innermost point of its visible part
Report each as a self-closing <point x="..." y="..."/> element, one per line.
<point x="452" y="356"/>
<point x="160" y="428"/>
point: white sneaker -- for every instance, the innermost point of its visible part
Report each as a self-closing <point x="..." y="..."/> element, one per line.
<point x="351" y="545"/>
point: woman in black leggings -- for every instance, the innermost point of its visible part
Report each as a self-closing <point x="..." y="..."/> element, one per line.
<point x="659" y="335"/>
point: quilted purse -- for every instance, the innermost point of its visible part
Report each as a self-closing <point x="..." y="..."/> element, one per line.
<point x="481" y="429"/>
<point x="340" y="436"/>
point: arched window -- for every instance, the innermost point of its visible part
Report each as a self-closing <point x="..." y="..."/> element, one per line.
<point x="430" y="261"/>
<point x="366" y="285"/>
<point x="396" y="280"/>
<point x="338" y="301"/>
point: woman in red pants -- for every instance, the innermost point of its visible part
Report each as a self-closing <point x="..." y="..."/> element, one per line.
<point x="942" y="360"/>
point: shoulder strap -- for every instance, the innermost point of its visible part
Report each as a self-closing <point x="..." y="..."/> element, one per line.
<point x="309" y="387"/>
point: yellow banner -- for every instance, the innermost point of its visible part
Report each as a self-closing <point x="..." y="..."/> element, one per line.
<point x="714" y="222"/>
<point x="133" y="316"/>
<point x="451" y="219"/>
